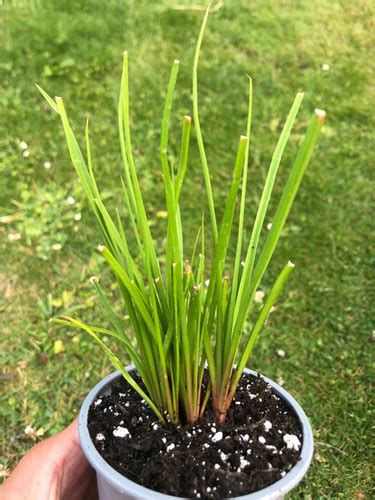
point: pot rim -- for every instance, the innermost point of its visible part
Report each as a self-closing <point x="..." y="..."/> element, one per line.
<point x="123" y="484"/>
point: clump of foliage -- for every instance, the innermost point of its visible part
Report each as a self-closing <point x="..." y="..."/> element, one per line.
<point x="181" y="327"/>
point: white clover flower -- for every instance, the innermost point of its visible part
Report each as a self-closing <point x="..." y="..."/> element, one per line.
<point x="47" y="165"/>
<point x="259" y="296"/>
<point x="57" y="246"/>
<point x="321" y="114"/>
<point x="70" y="200"/>
<point x="325" y="67"/>
<point x="14" y="236"/>
<point x="23" y="145"/>
<point x="77" y="217"/>
<point x="33" y="433"/>
<point x="26" y="153"/>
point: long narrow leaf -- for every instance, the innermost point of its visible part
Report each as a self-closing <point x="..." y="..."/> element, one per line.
<point x="118" y="365"/>
<point x="202" y="152"/>
<point x="270" y="301"/>
<point x="294" y="180"/>
<point x="264" y="202"/>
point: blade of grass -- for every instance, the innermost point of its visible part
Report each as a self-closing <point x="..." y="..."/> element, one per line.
<point x="49" y="99"/>
<point x="223" y="241"/>
<point x="173" y="248"/>
<point x="282" y="212"/>
<point x="118" y="365"/>
<point x="226" y="223"/>
<point x="237" y="262"/>
<point x="139" y="299"/>
<point x="202" y="152"/>
<point x="141" y="212"/>
<point x="265" y="199"/>
<point x="246" y="279"/>
<point x="270" y="301"/>
<point x="184" y="156"/>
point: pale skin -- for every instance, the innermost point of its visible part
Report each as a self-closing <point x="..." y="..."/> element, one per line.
<point x="54" y="469"/>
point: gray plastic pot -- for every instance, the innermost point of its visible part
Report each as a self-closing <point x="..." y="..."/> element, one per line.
<point x="114" y="486"/>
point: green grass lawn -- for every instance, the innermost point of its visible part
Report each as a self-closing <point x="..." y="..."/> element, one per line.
<point x="48" y="237"/>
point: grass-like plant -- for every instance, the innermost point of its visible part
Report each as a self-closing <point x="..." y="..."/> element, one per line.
<point x="180" y="327"/>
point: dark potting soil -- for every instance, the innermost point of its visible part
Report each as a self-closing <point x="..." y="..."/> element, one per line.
<point x="258" y="444"/>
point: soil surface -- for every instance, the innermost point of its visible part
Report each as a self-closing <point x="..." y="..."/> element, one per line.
<point x="258" y="444"/>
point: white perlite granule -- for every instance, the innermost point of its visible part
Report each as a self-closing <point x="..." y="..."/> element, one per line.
<point x="267" y="425"/>
<point x="243" y="463"/>
<point x="292" y="442"/>
<point x="121" y="432"/>
<point x="100" y="437"/>
<point x="217" y="437"/>
<point x="261" y="439"/>
<point x="271" y="447"/>
<point x="171" y="447"/>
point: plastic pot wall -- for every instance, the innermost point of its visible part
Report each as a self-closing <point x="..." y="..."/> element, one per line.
<point x="114" y="486"/>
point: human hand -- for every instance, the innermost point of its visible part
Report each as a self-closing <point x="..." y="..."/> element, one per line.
<point x="55" y="469"/>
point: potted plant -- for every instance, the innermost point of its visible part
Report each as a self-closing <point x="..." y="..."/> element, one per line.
<point x="188" y="419"/>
